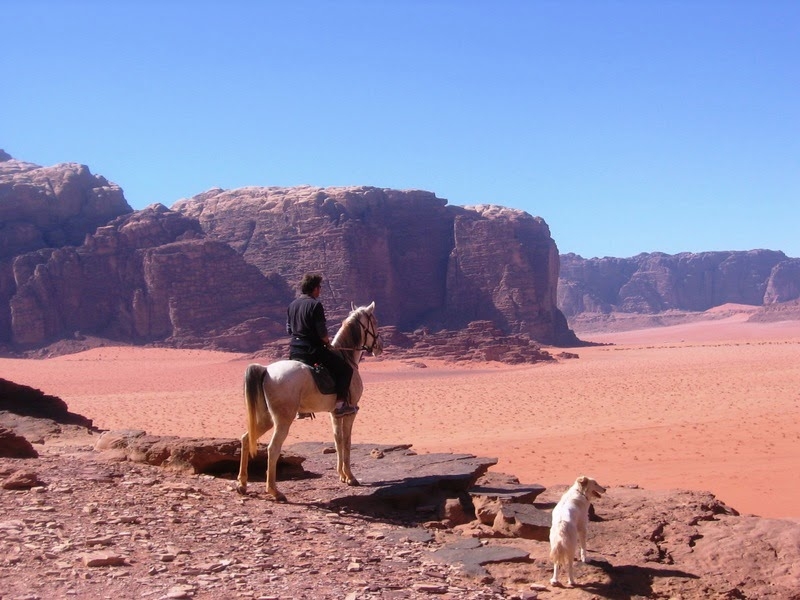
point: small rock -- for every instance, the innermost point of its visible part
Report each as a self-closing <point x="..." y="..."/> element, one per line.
<point x="431" y="588"/>
<point x="103" y="559"/>
<point x="22" y="480"/>
<point x="180" y="591"/>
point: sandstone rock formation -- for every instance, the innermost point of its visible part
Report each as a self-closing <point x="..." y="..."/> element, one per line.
<point x="218" y="270"/>
<point x="45" y="208"/>
<point x="145" y="277"/>
<point x="655" y="283"/>
<point x="424" y="263"/>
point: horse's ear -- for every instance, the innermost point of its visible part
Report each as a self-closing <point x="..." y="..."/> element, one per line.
<point x="371" y="307"/>
<point x="352" y="306"/>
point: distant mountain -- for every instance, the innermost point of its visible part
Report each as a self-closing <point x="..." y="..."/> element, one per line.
<point x="651" y="284"/>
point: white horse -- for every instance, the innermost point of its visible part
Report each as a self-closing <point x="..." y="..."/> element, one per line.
<point x="276" y="393"/>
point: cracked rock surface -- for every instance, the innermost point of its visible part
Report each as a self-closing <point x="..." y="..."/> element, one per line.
<point x="86" y="524"/>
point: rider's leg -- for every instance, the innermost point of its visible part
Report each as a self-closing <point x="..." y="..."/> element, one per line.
<point x="342" y="374"/>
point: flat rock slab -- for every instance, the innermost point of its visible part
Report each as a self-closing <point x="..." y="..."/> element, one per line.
<point x="470" y="554"/>
<point x="409" y="534"/>
<point x="505" y="488"/>
<point x="391" y="476"/>
<point x="398" y="475"/>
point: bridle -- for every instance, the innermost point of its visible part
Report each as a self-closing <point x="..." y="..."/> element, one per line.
<point x="369" y="330"/>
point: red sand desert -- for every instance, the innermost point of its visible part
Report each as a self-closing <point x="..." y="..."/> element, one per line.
<point x="713" y="405"/>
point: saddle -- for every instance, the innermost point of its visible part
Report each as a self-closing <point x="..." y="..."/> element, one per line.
<point x="323" y="379"/>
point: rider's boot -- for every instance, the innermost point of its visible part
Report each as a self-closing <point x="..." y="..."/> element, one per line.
<point x="343" y="407"/>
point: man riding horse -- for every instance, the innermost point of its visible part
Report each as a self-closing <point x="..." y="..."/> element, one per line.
<point x="310" y="343"/>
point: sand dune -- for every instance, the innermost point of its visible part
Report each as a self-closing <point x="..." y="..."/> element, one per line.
<point x="709" y="406"/>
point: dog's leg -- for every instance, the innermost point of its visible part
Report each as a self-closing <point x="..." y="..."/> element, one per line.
<point x="582" y="543"/>
<point x="554" y="578"/>
<point x="570" y="573"/>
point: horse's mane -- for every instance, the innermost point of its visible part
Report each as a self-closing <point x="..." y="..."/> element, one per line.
<point x="349" y="334"/>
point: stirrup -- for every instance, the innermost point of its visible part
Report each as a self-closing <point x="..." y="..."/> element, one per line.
<point x="305" y="415"/>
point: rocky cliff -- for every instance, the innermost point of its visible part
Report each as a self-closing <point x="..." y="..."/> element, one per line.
<point x="425" y="263"/>
<point x="43" y="209"/>
<point x="217" y="270"/>
<point x="654" y="283"/>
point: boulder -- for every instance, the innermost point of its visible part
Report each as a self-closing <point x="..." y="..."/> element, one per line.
<point x="27" y="401"/>
<point x="13" y="445"/>
<point x="192" y="455"/>
<point x="22" y="480"/>
<point x="522" y="521"/>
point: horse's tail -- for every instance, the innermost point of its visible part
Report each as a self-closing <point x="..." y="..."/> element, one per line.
<point x="253" y="394"/>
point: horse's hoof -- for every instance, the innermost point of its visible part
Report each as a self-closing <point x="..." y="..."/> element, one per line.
<point x="241" y="488"/>
<point x="353" y="482"/>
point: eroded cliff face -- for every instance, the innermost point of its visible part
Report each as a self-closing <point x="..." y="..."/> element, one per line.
<point x="502" y="266"/>
<point x="43" y="209"/>
<point x="654" y="283"/>
<point x="219" y="269"/>
<point x="146" y="277"/>
<point x="423" y="262"/>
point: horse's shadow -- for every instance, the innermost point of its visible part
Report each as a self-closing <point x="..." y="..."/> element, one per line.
<point x="408" y="501"/>
<point x="404" y="501"/>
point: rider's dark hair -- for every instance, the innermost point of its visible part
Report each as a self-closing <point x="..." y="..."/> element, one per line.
<point x="311" y="281"/>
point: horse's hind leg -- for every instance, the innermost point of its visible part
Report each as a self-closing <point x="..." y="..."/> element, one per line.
<point x="241" y="480"/>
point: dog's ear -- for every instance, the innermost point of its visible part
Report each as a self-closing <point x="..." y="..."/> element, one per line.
<point x="583" y="482"/>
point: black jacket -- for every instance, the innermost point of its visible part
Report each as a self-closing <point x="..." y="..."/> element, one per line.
<point x="305" y="322"/>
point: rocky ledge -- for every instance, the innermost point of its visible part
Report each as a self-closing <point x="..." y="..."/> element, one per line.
<point x="127" y="515"/>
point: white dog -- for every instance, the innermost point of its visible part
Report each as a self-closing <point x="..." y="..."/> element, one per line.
<point x="570" y="521"/>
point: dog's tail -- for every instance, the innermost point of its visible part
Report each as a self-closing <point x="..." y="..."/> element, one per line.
<point x="562" y="547"/>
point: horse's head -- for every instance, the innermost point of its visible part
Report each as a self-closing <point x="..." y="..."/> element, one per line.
<point x="370" y="337"/>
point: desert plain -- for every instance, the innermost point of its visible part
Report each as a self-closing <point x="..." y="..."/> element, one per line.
<point x="712" y="405"/>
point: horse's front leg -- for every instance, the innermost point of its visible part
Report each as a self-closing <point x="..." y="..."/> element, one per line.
<point x="273" y="454"/>
<point x="343" y="436"/>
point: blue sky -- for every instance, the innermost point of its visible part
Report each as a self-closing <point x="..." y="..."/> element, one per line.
<point x="629" y="126"/>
